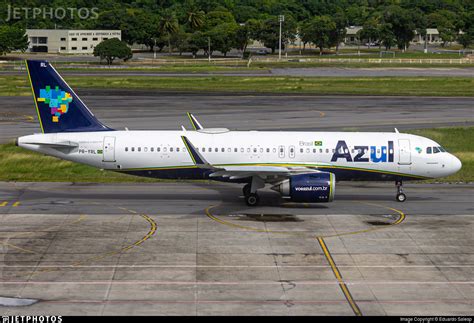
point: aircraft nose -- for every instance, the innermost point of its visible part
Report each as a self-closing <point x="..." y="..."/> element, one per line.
<point x="455" y="164"/>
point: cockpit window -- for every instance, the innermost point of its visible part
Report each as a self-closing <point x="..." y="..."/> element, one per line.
<point x="442" y="149"/>
<point x="436" y="150"/>
<point x="428" y="150"/>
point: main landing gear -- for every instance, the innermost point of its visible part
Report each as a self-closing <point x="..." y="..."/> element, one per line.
<point x="250" y="191"/>
<point x="401" y="197"/>
<point x="251" y="199"/>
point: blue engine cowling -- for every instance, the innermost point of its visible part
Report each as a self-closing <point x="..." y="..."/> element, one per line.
<point x="310" y="188"/>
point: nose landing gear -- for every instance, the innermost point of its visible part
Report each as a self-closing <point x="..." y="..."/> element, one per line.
<point x="401" y="197"/>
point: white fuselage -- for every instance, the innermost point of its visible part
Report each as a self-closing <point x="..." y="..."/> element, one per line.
<point x="162" y="154"/>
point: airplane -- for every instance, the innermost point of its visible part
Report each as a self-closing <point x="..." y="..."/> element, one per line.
<point x="301" y="166"/>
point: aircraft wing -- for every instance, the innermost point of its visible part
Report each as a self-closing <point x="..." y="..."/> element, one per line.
<point x="266" y="172"/>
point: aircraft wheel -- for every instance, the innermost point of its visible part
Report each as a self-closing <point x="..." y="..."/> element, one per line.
<point x="401" y="197"/>
<point x="246" y="190"/>
<point x="252" y="199"/>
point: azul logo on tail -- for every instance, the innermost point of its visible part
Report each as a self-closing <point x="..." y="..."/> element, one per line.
<point x="57" y="100"/>
<point x="382" y="154"/>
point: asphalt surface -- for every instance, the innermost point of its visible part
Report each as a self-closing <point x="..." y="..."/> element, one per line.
<point x="153" y="110"/>
<point x="296" y="72"/>
<point x="196" y="249"/>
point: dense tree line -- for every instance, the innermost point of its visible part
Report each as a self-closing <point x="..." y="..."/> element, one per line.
<point x="188" y="25"/>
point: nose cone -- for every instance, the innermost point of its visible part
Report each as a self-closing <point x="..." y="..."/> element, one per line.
<point x="455" y="164"/>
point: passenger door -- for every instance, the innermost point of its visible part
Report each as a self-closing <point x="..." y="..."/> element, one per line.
<point x="404" y="152"/>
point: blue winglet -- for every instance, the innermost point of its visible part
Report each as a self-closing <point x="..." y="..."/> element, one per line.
<point x="197" y="158"/>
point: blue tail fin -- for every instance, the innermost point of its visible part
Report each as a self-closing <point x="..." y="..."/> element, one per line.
<point x="59" y="108"/>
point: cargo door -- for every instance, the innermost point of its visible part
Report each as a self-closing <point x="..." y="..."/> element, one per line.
<point x="109" y="149"/>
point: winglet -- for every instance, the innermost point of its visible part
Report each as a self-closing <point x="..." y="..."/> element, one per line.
<point x="197" y="158"/>
<point x="195" y="123"/>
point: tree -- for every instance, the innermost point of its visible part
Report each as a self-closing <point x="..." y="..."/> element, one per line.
<point x="386" y="36"/>
<point x="246" y="32"/>
<point x="319" y="31"/>
<point x="339" y="33"/>
<point x="195" y="19"/>
<point x="12" y="38"/>
<point x="223" y="37"/>
<point x="403" y="24"/>
<point x="268" y="32"/>
<point x="465" y="40"/>
<point x="168" y="26"/>
<point x="370" y="31"/>
<point x="112" y="49"/>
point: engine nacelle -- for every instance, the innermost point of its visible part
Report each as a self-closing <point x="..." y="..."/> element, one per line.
<point x="310" y="188"/>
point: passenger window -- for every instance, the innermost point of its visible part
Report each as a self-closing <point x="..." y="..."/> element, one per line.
<point x="184" y="149"/>
<point x="152" y="149"/>
<point x="177" y="149"/>
<point x="216" y="150"/>
<point x="126" y="148"/>
<point x="164" y="149"/>
<point x="314" y="150"/>
<point x="157" y="149"/>
<point x="428" y="150"/>
<point x="255" y="150"/>
<point x="229" y="150"/>
<point x="171" y="149"/>
<point x="261" y="150"/>
<point x="242" y="150"/>
<point x="235" y="150"/>
<point x="145" y="149"/>
<point x="308" y="150"/>
<point x="133" y="148"/>
<point x="139" y="148"/>
<point x="274" y="150"/>
<point x="248" y="150"/>
<point x="301" y="150"/>
<point x="222" y="149"/>
<point x="268" y="150"/>
<point x="320" y="150"/>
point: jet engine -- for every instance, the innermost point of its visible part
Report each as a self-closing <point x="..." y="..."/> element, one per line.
<point x="310" y="188"/>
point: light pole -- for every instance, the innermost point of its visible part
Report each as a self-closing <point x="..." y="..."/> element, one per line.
<point x="209" y="48"/>
<point x="281" y="19"/>
<point x="154" y="50"/>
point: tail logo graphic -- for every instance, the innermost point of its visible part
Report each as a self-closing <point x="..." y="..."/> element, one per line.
<point x="57" y="100"/>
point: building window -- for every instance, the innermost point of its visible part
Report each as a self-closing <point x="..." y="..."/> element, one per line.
<point x="95" y="39"/>
<point x="84" y="48"/>
<point x="74" y="48"/>
<point x="84" y="39"/>
<point x="74" y="39"/>
<point x="63" y="48"/>
<point x="63" y="39"/>
<point x="105" y="38"/>
<point x="42" y="40"/>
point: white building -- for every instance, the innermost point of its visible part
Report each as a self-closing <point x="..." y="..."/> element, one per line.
<point x="68" y="41"/>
